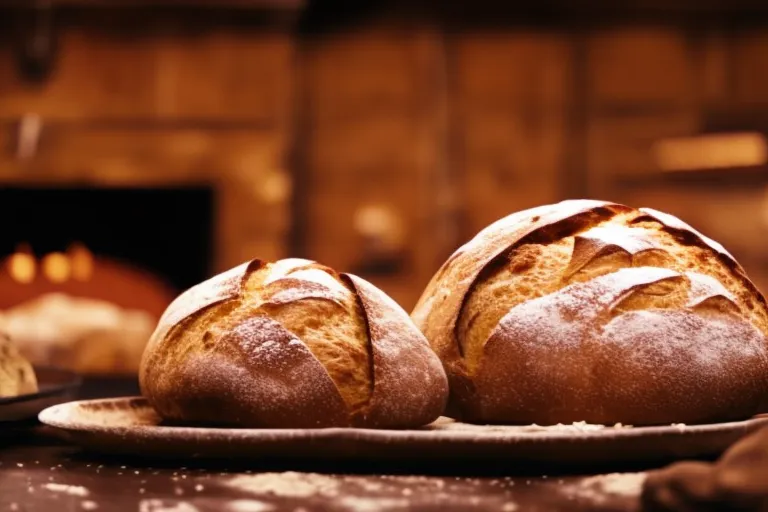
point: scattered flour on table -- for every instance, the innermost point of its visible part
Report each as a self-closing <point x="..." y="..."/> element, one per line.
<point x="386" y="493"/>
<point x="72" y="490"/>
<point x="359" y="504"/>
<point x="249" y="506"/>
<point x="600" y="488"/>
<point x="166" y="506"/>
<point x="287" y="485"/>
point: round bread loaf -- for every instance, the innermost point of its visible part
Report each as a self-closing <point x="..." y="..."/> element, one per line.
<point x="17" y="377"/>
<point x="598" y="312"/>
<point x="291" y="344"/>
<point x="88" y="336"/>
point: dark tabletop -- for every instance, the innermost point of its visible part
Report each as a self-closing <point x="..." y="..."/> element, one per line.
<point x="38" y="472"/>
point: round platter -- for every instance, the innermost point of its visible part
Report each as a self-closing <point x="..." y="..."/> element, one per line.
<point x="55" y="386"/>
<point x="130" y="426"/>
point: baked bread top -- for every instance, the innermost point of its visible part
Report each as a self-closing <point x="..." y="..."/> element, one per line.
<point x="537" y="317"/>
<point x="17" y="376"/>
<point x="291" y="344"/>
<point x="88" y="336"/>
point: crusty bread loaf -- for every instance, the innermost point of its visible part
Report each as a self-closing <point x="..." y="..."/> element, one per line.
<point x="291" y="344"/>
<point x="88" y="336"/>
<point x="17" y="376"/>
<point x="598" y="312"/>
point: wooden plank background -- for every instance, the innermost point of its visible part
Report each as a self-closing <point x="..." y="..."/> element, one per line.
<point x="428" y="127"/>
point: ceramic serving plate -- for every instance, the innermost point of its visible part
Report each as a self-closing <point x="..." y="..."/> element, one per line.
<point x="130" y="426"/>
<point x="55" y="386"/>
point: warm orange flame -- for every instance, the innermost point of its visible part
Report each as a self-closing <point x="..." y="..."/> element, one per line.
<point x="81" y="260"/>
<point x="56" y="267"/>
<point x="22" y="267"/>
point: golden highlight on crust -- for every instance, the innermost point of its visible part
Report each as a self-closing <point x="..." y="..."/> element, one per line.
<point x="331" y="324"/>
<point x="542" y="252"/>
<point x="289" y="344"/>
<point x="534" y="270"/>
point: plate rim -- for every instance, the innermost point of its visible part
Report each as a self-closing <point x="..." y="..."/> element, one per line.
<point x="189" y="433"/>
<point x="70" y="382"/>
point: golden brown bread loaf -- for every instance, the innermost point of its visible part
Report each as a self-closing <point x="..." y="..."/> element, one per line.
<point x="291" y="344"/>
<point x="17" y="376"/>
<point x="598" y="312"/>
<point x="86" y="335"/>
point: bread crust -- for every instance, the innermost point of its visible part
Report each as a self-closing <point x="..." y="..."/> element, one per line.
<point x="17" y="377"/>
<point x="565" y="355"/>
<point x="208" y="363"/>
<point x="410" y="386"/>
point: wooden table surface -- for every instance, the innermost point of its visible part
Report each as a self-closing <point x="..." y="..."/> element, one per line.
<point x="38" y="472"/>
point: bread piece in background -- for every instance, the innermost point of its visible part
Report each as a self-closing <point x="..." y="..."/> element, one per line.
<point x="17" y="377"/>
<point x="85" y="335"/>
<point x="598" y="312"/>
<point x="291" y="344"/>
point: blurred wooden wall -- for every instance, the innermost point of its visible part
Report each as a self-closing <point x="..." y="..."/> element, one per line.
<point x="431" y="134"/>
<point x="141" y="101"/>
<point x="649" y="83"/>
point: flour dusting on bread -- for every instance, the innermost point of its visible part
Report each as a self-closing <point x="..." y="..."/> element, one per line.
<point x="291" y="344"/>
<point x="596" y="311"/>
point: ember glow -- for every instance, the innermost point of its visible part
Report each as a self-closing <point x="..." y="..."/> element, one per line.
<point x="57" y="267"/>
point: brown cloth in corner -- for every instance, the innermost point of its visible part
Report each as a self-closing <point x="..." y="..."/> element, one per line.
<point x="737" y="481"/>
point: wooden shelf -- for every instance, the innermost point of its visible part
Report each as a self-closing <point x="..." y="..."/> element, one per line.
<point x="735" y="177"/>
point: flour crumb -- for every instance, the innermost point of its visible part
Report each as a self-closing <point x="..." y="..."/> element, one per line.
<point x="166" y="506"/>
<point x="599" y="488"/>
<point x="360" y="504"/>
<point x="89" y="505"/>
<point x="72" y="490"/>
<point x="509" y="507"/>
<point x="249" y="506"/>
<point x="288" y="485"/>
<point x="365" y="484"/>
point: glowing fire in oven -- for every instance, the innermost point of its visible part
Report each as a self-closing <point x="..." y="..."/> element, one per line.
<point x="57" y="267"/>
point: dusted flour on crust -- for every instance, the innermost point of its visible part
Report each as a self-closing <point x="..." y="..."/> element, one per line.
<point x="291" y="344"/>
<point x="598" y="312"/>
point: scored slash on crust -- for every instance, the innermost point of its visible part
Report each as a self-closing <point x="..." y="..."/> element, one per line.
<point x="257" y="372"/>
<point x="467" y="328"/>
